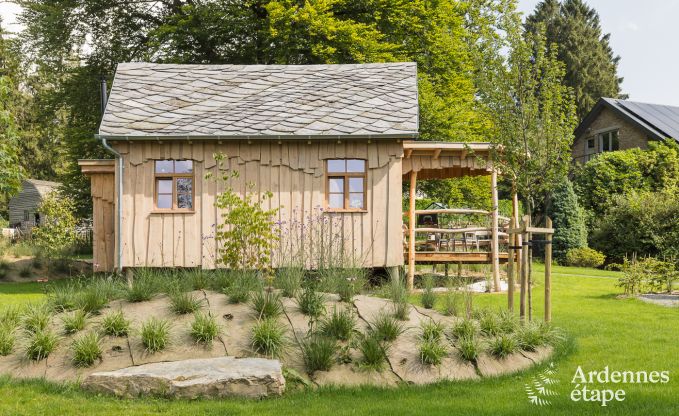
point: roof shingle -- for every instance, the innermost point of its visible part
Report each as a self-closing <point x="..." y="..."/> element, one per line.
<point x="262" y="100"/>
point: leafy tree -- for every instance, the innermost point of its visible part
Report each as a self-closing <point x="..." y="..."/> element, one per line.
<point x="591" y="66"/>
<point x="570" y="230"/>
<point x="520" y="82"/>
<point x="56" y="232"/>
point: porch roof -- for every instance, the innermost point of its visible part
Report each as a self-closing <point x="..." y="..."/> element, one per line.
<point x="443" y="160"/>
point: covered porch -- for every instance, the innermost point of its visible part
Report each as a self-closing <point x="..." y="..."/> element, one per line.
<point x="476" y="236"/>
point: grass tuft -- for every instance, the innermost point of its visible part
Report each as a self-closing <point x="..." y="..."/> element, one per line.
<point x="268" y="338"/>
<point x="86" y="349"/>
<point x="469" y="348"/>
<point x="431" y="331"/>
<point x="386" y="328"/>
<point x="311" y="303"/>
<point x="465" y="328"/>
<point x="155" y="334"/>
<point x="340" y="325"/>
<point x="244" y="283"/>
<point x="373" y="351"/>
<point x="7" y="339"/>
<point x="428" y="294"/>
<point x="289" y="280"/>
<point x="204" y="328"/>
<point x="41" y="344"/>
<point x="267" y="304"/>
<point x="36" y="317"/>
<point x="503" y="345"/>
<point x="115" y="324"/>
<point x="145" y="285"/>
<point x="432" y="352"/>
<point x="182" y="303"/>
<point x="74" y="321"/>
<point x="318" y="353"/>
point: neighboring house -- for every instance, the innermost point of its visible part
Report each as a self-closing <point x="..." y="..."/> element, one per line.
<point x="621" y="124"/>
<point x="331" y="142"/>
<point x="23" y="207"/>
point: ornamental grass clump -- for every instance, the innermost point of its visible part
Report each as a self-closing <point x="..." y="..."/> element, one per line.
<point x="431" y="331"/>
<point x="508" y="322"/>
<point x="452" y="303"/>
<point x="36" y="317"/>
<point x="62" y="297"/>
<point x="532" y="335"/>
<point x="204" y="328"/>
<point x="74" y="321"/>
<point x="432" y="352"/>
<point x="115" y="324"/>
<point x="289" y="280"/>
<point x="310" y="302"/>
<point x="182" y="303"/>
<point x="97" y="293"/>
<point x="145" y="285"/>
<point x="268" y="338"/>
<point x="267" y="304"/>
<point x="244" y="283"/>
<point x="155" y="334"/>
<point x="11" y="316"/>
<point x="465" y="328"/>
<point x="399" y="297"/>
<point x="428" y="294"/>
<point x="318" y="352"/>
<point x="373" y="351"/>
<point x="503" y="345"/>
<point x="490" y="323"/>
<point x="386" y="328"/>
<point x="339" y="325"/>
<point x="40" y="344"/>
<point x="7" y="339"/>
<point x="469" y="348"/>
<point x="86" y="349"/>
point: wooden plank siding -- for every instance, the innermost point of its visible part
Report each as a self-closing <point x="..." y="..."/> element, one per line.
<point x="294" y="171"/>
<point x="102" y="183"/>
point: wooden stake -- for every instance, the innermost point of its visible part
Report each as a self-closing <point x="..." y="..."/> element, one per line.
<point x="511" y="258"/>
<point x="411" y="231"/>
<point x="529" y="272"/>
<point x="524" y="274"/>
<point x="548" y="273"/>
<point x="494" y="246"/>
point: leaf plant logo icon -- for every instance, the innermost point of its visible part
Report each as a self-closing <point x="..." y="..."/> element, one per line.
<point x="540" y="388"/>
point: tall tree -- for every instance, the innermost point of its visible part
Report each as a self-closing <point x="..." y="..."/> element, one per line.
<point x="591" y="65"/>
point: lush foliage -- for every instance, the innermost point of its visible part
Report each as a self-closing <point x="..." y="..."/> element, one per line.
<point x="648" y="274"/>
<point x="584" y="257"/>
<point x="591" y="66"/>
<point x="56" y="232"/>
<point x="568" y="220"/>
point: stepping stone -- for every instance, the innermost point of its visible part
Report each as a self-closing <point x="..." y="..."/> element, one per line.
<point x="190" y="379"/>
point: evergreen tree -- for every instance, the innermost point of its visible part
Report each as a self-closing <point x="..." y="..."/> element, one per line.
<point x="591" y="65"/>
<point x="568" y="219"/>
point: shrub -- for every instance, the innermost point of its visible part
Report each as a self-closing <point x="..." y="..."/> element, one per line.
<point x="469" y="348"/>
<point x="432" y="352"/>
<point x="25" y="271"/>
<point x="465" y="328"/>
<point x="4" y="268"/>
<point x="36" y="318"/>
<point x="268" y="338"/>
<point x="569" y="222"/>
<point x="267" y="304"/>
<point x="57" y="227"/>
<point x="74" y="322"/>
<point x="7" y="339"/>
<point x="246" y="235"/>
<point x="503" y="345"/>
<point x="145" y="285"/>
<point x="289" y="280"/>
<point x="41" y="344"/>
<point x="647" y="275"/>
<point x="204" y="328"/>
<point x="310" y="302"/>
<point x="373" y="352"/>
<point x="340" y="325"/>
<point x="155" y="334"/>
<point x="428" y="294"/>
<point x="318" y="353"/>
<point x="182" y="303"/>
<point x="386" y="328"/>
<point x="584" y="257"/>
<point x="86" y="349"/>
<point x="244" y="283"/>
<point x="115" y="324"/>
<point x="431" y="331"/>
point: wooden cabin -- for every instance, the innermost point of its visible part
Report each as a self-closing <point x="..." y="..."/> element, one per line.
<point x="333" y="143"/>
<point x="23" y="207"/>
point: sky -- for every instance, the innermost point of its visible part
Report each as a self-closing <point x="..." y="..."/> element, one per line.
<point x="644" y="33"/>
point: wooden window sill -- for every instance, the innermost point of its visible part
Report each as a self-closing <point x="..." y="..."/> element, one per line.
<point x="344" y="211"/>
<point x="172" y="211"/>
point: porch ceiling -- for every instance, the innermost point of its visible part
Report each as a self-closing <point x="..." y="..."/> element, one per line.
<point x="443" y="160"/>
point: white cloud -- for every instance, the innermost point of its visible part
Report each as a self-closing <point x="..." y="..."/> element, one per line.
<point x="632" y="26"/>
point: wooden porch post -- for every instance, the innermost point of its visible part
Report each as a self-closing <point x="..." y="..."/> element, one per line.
<point x="411" y="231"/>
<point x="494" y="246"/>
<point x="548" y="273"/>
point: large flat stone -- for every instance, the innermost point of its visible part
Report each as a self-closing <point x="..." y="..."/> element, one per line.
<point x="189" y="379"/>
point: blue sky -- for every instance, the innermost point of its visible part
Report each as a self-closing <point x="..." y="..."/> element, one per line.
<point x="645" y="33"/>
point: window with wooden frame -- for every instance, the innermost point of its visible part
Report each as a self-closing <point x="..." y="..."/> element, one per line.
<point x="345" y="184"/>
<point x="174" y="180"/>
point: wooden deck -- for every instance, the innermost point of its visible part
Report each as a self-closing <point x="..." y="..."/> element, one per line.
<point x="464" y="257"/>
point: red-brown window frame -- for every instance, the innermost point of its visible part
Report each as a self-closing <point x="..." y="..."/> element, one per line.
<point x="174" y="176"/>
<point x="345" y="176"/>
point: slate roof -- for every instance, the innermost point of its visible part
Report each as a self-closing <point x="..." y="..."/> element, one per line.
<point x="659" y="121"/>
<point x="362" y="100"/>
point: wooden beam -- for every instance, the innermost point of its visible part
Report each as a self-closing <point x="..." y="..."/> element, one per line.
<point x="548" y="273"/>
<point x="461" y="211"/>
<point x="411" y="231"/>
<point x="494" y="245"/>
<point x="437" y="153"/>
<point x="463" y="155"/>
<point x="407" y="153"/>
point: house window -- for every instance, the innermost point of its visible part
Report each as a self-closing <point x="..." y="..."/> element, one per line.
<point x="174" y="185"/>
<point x="609" y="141"/>
<point x="590" y="143"/>
<point x="345" y="186"/>
<point x="27" y="215"/>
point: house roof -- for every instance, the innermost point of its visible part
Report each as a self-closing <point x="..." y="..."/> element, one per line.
<point x="659" y="121"/>
<point x="359" y="100"/>
<point x="48" y="184"/>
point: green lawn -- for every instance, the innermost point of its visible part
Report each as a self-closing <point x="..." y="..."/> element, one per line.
<point x="624" y="334"/>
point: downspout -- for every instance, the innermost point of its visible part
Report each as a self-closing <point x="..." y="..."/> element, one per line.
<point x="119" y="180"/>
